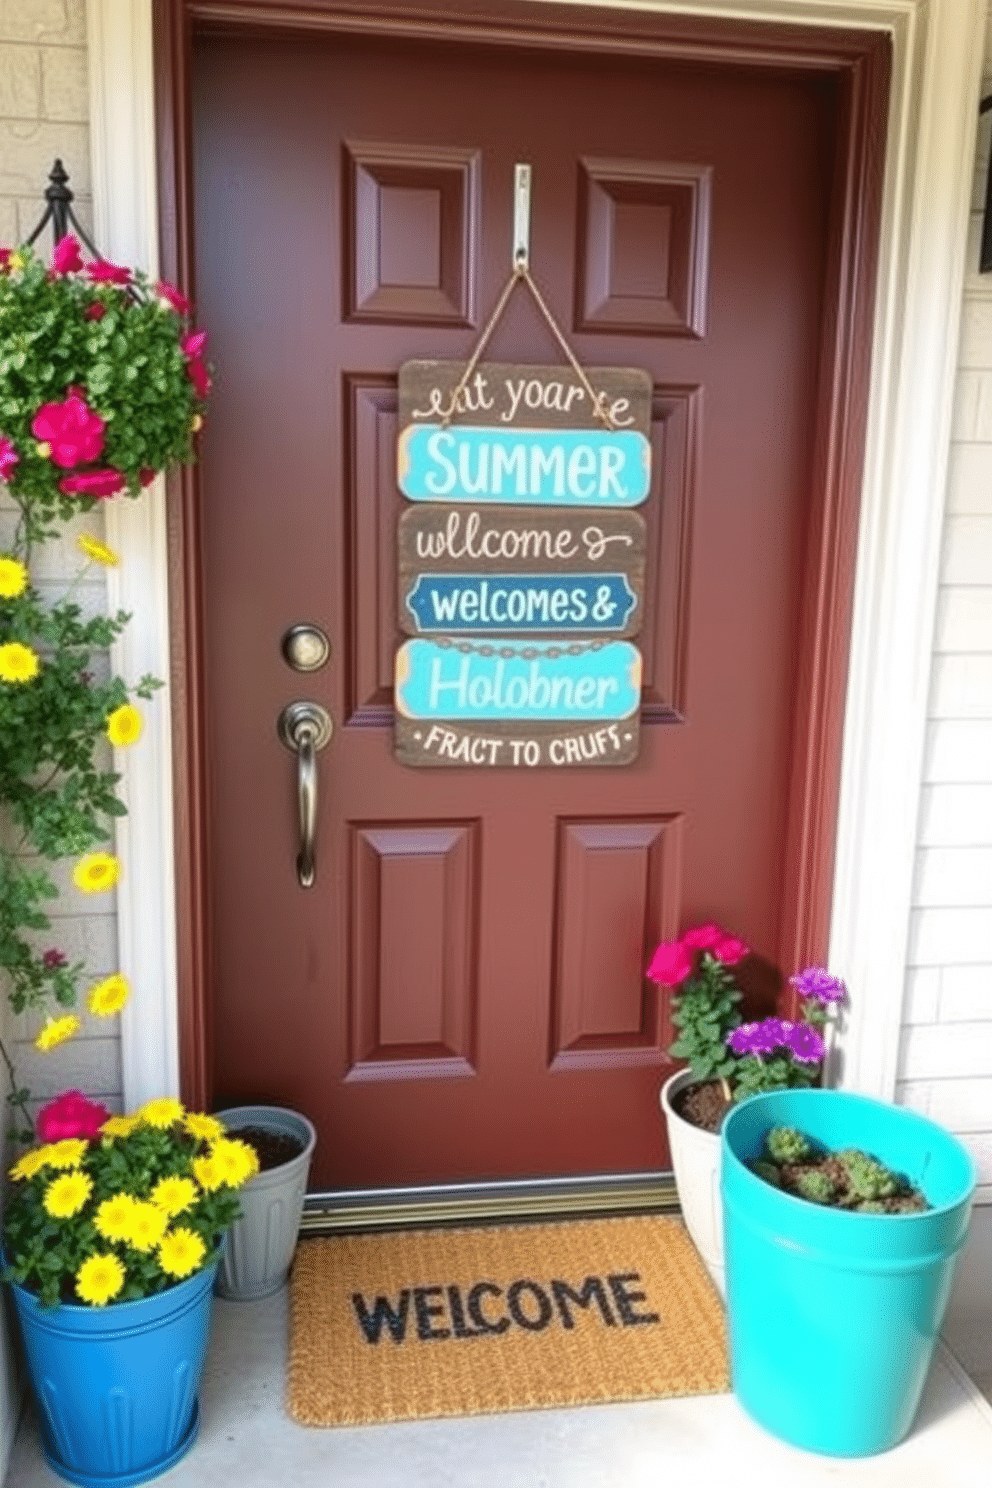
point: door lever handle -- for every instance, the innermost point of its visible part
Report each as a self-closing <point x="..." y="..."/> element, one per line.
<point x="305" y="727"/>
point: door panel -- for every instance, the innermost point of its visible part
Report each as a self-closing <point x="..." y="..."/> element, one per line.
<point x="461" y="994"/>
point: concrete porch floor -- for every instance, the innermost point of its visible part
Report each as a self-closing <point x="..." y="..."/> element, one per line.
<point x="246" y="1437"/>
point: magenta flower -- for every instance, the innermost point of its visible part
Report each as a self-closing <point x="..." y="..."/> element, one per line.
<point x="70" y="1115"/>
<point x="53" y="959"/>
<point x="177" y="300"/>
<point x="703" y="937"/>
<point x="95" y="483"/>
<point x="193" y="344"/>
<point x="670" y="964"/>
<point x="96" y="311"/>
<point x="817" y="984"/>
<point x="5" y="259"/>
<point x="730" y="950"/>
<point x="73" y="430"/>
<point x="9" y="458"/>
<point x="66" y="259"/>
<point x="199" y="376"/>
<point x="805" y="1044"/>
<point x="743" y="1040"/>
<point x="103" y="272"/>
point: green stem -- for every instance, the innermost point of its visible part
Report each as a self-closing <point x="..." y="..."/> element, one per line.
<point x="17" y="1098"/>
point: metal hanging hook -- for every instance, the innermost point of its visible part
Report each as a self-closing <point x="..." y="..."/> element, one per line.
<point x="521" y="217"/>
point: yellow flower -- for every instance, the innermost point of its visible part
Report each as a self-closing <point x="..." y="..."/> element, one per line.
<point x="13" y="577"/>
<point x="119" y="1126"/>
<point x="124" y="725"/>
<point x="146" y="1226"/>
<point x="180" y="1252"/>
<point x="99" y="1278"/>
<point x="68" y="1153"/>
<point x="108" y="996"/>
<point x="207" y="1173"/>
<point x="56" y="1031"/>
<point x="17" y="663"/>
<point x="32" y="1162"/>
<point x="235" y="1160"/>
<point x="113" y="1217"/>
<point x="16" y="260"/>
<point x="173" y="1195"/>
<point x="96" y="872"/>
<point x="207" y="1128"/>
<point x="97" y="550"/>
<point x="67" y="1194"/>
<point x="161" y="1112"/>
<point x="43" y="449"/>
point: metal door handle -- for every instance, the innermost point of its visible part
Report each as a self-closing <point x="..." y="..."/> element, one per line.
<point x="305" y="727"/>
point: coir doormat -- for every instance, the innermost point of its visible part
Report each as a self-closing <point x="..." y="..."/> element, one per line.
<point x="437" y="1322"/>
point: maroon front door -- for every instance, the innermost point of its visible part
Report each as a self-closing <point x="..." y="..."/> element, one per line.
<point x="460" y="995"/>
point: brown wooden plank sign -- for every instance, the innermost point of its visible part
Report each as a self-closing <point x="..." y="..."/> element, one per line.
<point x="521" y="564"/>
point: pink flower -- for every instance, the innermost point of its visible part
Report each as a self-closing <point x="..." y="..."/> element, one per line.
<point x="177" y="300"/>
<point x="73" y="430"/>
<point x="52" y="959"/>
<point x="703" y="937"/>
<point x="9" y="459"/>
<point x="96" y="311"/>
<point x="670" y="964"/>
<point x="730" y="950"/>
<point x="93" y="483"/>
<point x="198" y="376"/>
<point x="70" y="1115"/>
<point x="66" y="259"/>
<point x="193" y="344"/>
<point x="102" y="272"/>
<point x="5" y="259"/>
<point x="146" y="476"/>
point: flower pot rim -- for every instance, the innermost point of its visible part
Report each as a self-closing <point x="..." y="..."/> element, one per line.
<point x="869" y="1104"/>
<point x="255" y="1115"/>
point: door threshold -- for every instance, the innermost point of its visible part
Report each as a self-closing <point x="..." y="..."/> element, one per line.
<point x="489" y="1203"/>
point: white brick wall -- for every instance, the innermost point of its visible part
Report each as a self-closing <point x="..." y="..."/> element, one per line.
<point x="44" y="109"/>
<point x="945" y="1057"/>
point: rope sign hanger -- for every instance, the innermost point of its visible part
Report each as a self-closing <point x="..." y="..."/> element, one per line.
<point x="520" y="274"/>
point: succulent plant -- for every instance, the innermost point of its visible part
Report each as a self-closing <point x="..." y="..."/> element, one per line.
<point x="784" y="1144"/>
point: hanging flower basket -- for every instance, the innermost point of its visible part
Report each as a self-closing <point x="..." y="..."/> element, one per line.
<point x="103" y="381"/>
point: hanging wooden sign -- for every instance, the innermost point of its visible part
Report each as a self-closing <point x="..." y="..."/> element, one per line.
<point x="524" y="434"/>
<point x="520" y="571"/>
<point x="522" y="537"/>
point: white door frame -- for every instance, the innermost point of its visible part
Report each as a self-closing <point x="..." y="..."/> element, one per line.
<point x="933" y="117"/>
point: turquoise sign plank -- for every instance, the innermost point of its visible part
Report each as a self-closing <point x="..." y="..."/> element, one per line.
<point x="518" y="681"/>
<point x="555" y="467"/>
<point x="521" y="603"/>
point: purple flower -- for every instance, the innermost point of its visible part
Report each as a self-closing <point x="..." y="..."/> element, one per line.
<point x="819" y="985"/>
<point x="746" y="1039"/>
<point x="805" y="1044"/>
<point x="53" y="959"/>
<point x="760" y="1038"/>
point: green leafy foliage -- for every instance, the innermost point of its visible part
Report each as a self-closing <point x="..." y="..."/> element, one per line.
<point x="121" y="357"/>
<point x="129" y="365"/>
<point x="704" y="1012"/>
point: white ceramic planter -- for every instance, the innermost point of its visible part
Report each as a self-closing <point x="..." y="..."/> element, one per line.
<point x="696" y="1164"/>
<point x="260" y="1245"/>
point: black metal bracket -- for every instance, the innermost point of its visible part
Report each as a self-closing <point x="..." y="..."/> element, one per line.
<point x="59" y="210"/>
<point x="985" y="250"/>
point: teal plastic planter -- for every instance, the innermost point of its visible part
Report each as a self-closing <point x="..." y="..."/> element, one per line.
<point x="833" y="1316"/>
<point x="116" y="1386"/>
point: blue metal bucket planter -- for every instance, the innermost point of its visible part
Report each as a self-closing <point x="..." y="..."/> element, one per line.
<point x="116" y="1386"/>
<point x="833" y="1316"/>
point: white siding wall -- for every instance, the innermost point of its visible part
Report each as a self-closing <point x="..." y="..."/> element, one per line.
<point x="945" y="1057"/>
